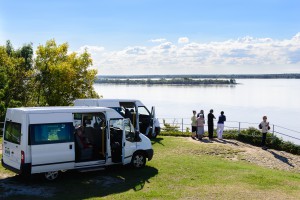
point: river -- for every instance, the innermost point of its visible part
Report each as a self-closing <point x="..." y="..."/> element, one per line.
<point x="245" y="102"/>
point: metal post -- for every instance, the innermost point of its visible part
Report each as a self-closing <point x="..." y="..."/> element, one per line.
<point x="273" y="131"/>
<point x="239" y="127"/>
<point x="182" y="125"/>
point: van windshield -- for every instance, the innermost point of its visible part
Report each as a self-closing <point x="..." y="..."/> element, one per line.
<point x="12" y="132"/>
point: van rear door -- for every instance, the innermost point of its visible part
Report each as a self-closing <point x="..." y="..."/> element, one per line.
<point x="11" y="145"/>
<point x="52" y="143"/>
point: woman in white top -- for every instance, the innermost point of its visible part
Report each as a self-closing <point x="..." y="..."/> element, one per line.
<point x="264" y="126"/>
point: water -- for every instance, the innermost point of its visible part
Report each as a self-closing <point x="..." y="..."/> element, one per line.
<point x="246" y="102"/>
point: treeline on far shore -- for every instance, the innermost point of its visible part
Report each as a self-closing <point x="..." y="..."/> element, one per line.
<point x="163" y="81"/>
<point x="206" y="76"/>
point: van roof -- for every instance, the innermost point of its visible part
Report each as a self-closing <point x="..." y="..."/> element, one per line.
<point x="107" y="102"/>
<point x="61" y="109"/>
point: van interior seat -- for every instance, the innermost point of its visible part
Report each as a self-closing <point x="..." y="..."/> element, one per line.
<point x="84" y="153"/>
<point x="88" y="132"/>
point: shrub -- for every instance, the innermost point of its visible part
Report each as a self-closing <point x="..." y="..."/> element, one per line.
<point x="170" y="127"/>
<point x="250" y="136"/>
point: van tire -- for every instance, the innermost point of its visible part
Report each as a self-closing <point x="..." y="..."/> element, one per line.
<point x="51" y="176"/>
<point x="138" y="160"/>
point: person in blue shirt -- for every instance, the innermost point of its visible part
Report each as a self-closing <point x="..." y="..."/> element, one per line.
<point x="220" y="127"/>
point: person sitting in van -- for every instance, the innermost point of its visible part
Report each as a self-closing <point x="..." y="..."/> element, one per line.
<point x="82" y="139"/>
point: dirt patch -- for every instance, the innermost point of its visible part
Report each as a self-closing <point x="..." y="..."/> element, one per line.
<point x="11" y="188"/>
<point x="105" y="181"/>
<point x="235" y="150"/>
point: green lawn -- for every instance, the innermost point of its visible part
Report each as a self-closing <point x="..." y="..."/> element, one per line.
<point x="180" y="169"/>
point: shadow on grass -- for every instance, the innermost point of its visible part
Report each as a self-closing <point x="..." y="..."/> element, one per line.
<point x="223" y="141"/>
<point x="75" y="185"/>
<point x="157" y="140"/>
<point x="281" y="158"/>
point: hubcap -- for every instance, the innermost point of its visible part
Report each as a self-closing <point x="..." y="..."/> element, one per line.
<point x="51" y="175"/>
<point x="138" y="161"/>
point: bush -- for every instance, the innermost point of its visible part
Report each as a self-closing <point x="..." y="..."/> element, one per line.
<point x="250" y="136"/>
<point x="170" y="127"/>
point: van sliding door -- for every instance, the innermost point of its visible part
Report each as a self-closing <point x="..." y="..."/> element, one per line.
<point x="52" y="147"/>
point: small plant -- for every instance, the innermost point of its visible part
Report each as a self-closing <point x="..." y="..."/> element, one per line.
<point x="174" y="127"/>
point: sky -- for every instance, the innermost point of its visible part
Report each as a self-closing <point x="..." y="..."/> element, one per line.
<point x="128" y="37"/>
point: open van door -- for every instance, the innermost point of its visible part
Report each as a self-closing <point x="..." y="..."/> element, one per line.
<point x="129" y="141"/>
<point x="151" y="132"/>
<point x="152" y="120"/>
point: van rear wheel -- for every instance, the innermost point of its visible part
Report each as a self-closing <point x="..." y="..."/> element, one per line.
<point x="138" y="160"/>
<point x="51" y="176"/>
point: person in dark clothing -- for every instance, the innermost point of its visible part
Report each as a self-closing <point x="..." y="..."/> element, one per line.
<point x="210" y="124"/>
<point x="220" y="127"/>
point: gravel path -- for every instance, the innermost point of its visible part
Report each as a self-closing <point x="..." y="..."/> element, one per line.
<point x="235" y="150"/>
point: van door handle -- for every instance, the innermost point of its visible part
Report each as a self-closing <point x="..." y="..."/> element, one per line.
<point x="70" y="146"/>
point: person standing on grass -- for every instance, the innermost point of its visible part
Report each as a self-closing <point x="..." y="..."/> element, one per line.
<point x="210" y="124"/>
<point x="200" y="126"/>
<point x="220" y="127"/>
<point x="194" y="124"/>
<point x="264" y="126"/>
<point x="201" y="112"/>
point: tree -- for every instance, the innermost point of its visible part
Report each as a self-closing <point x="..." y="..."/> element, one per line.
<point x="62" y="77"/>
<point x="15" y="74"/>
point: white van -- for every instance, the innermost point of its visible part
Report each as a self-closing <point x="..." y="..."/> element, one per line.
<point x="142" y="120"/>
<point x="44" y="140"/>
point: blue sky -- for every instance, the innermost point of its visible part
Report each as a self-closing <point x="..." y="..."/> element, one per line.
<point x="163" y="36"/>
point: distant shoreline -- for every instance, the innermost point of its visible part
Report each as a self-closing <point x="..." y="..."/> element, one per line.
<point x="204" y="76"/>
<point x="163" y="81"/>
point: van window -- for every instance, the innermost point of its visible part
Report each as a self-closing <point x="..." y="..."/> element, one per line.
<point x="51" y="133"/>
<point x="12" y="132"/>
<point x="143" y="111"/>
<point x="129" y="131"/>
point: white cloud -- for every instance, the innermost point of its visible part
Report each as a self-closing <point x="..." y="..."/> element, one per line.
<point x="247" y="54"/>
<point x="159" y="40"/>
<point x="183" y="40"/>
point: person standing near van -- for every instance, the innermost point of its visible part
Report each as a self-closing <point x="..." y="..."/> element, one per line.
<point x="220" y="127"/>
<point x="200" y="126"/>
<point x="194" y="124"/>
<point x="264" y="126"/>
<point x="210" y="124"/>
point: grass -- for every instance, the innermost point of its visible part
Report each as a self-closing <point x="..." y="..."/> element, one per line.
<point x="180" y="169"/>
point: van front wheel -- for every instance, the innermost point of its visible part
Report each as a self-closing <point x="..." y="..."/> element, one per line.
<point x="138" y="160"/>
<point x="51" y="176"/>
